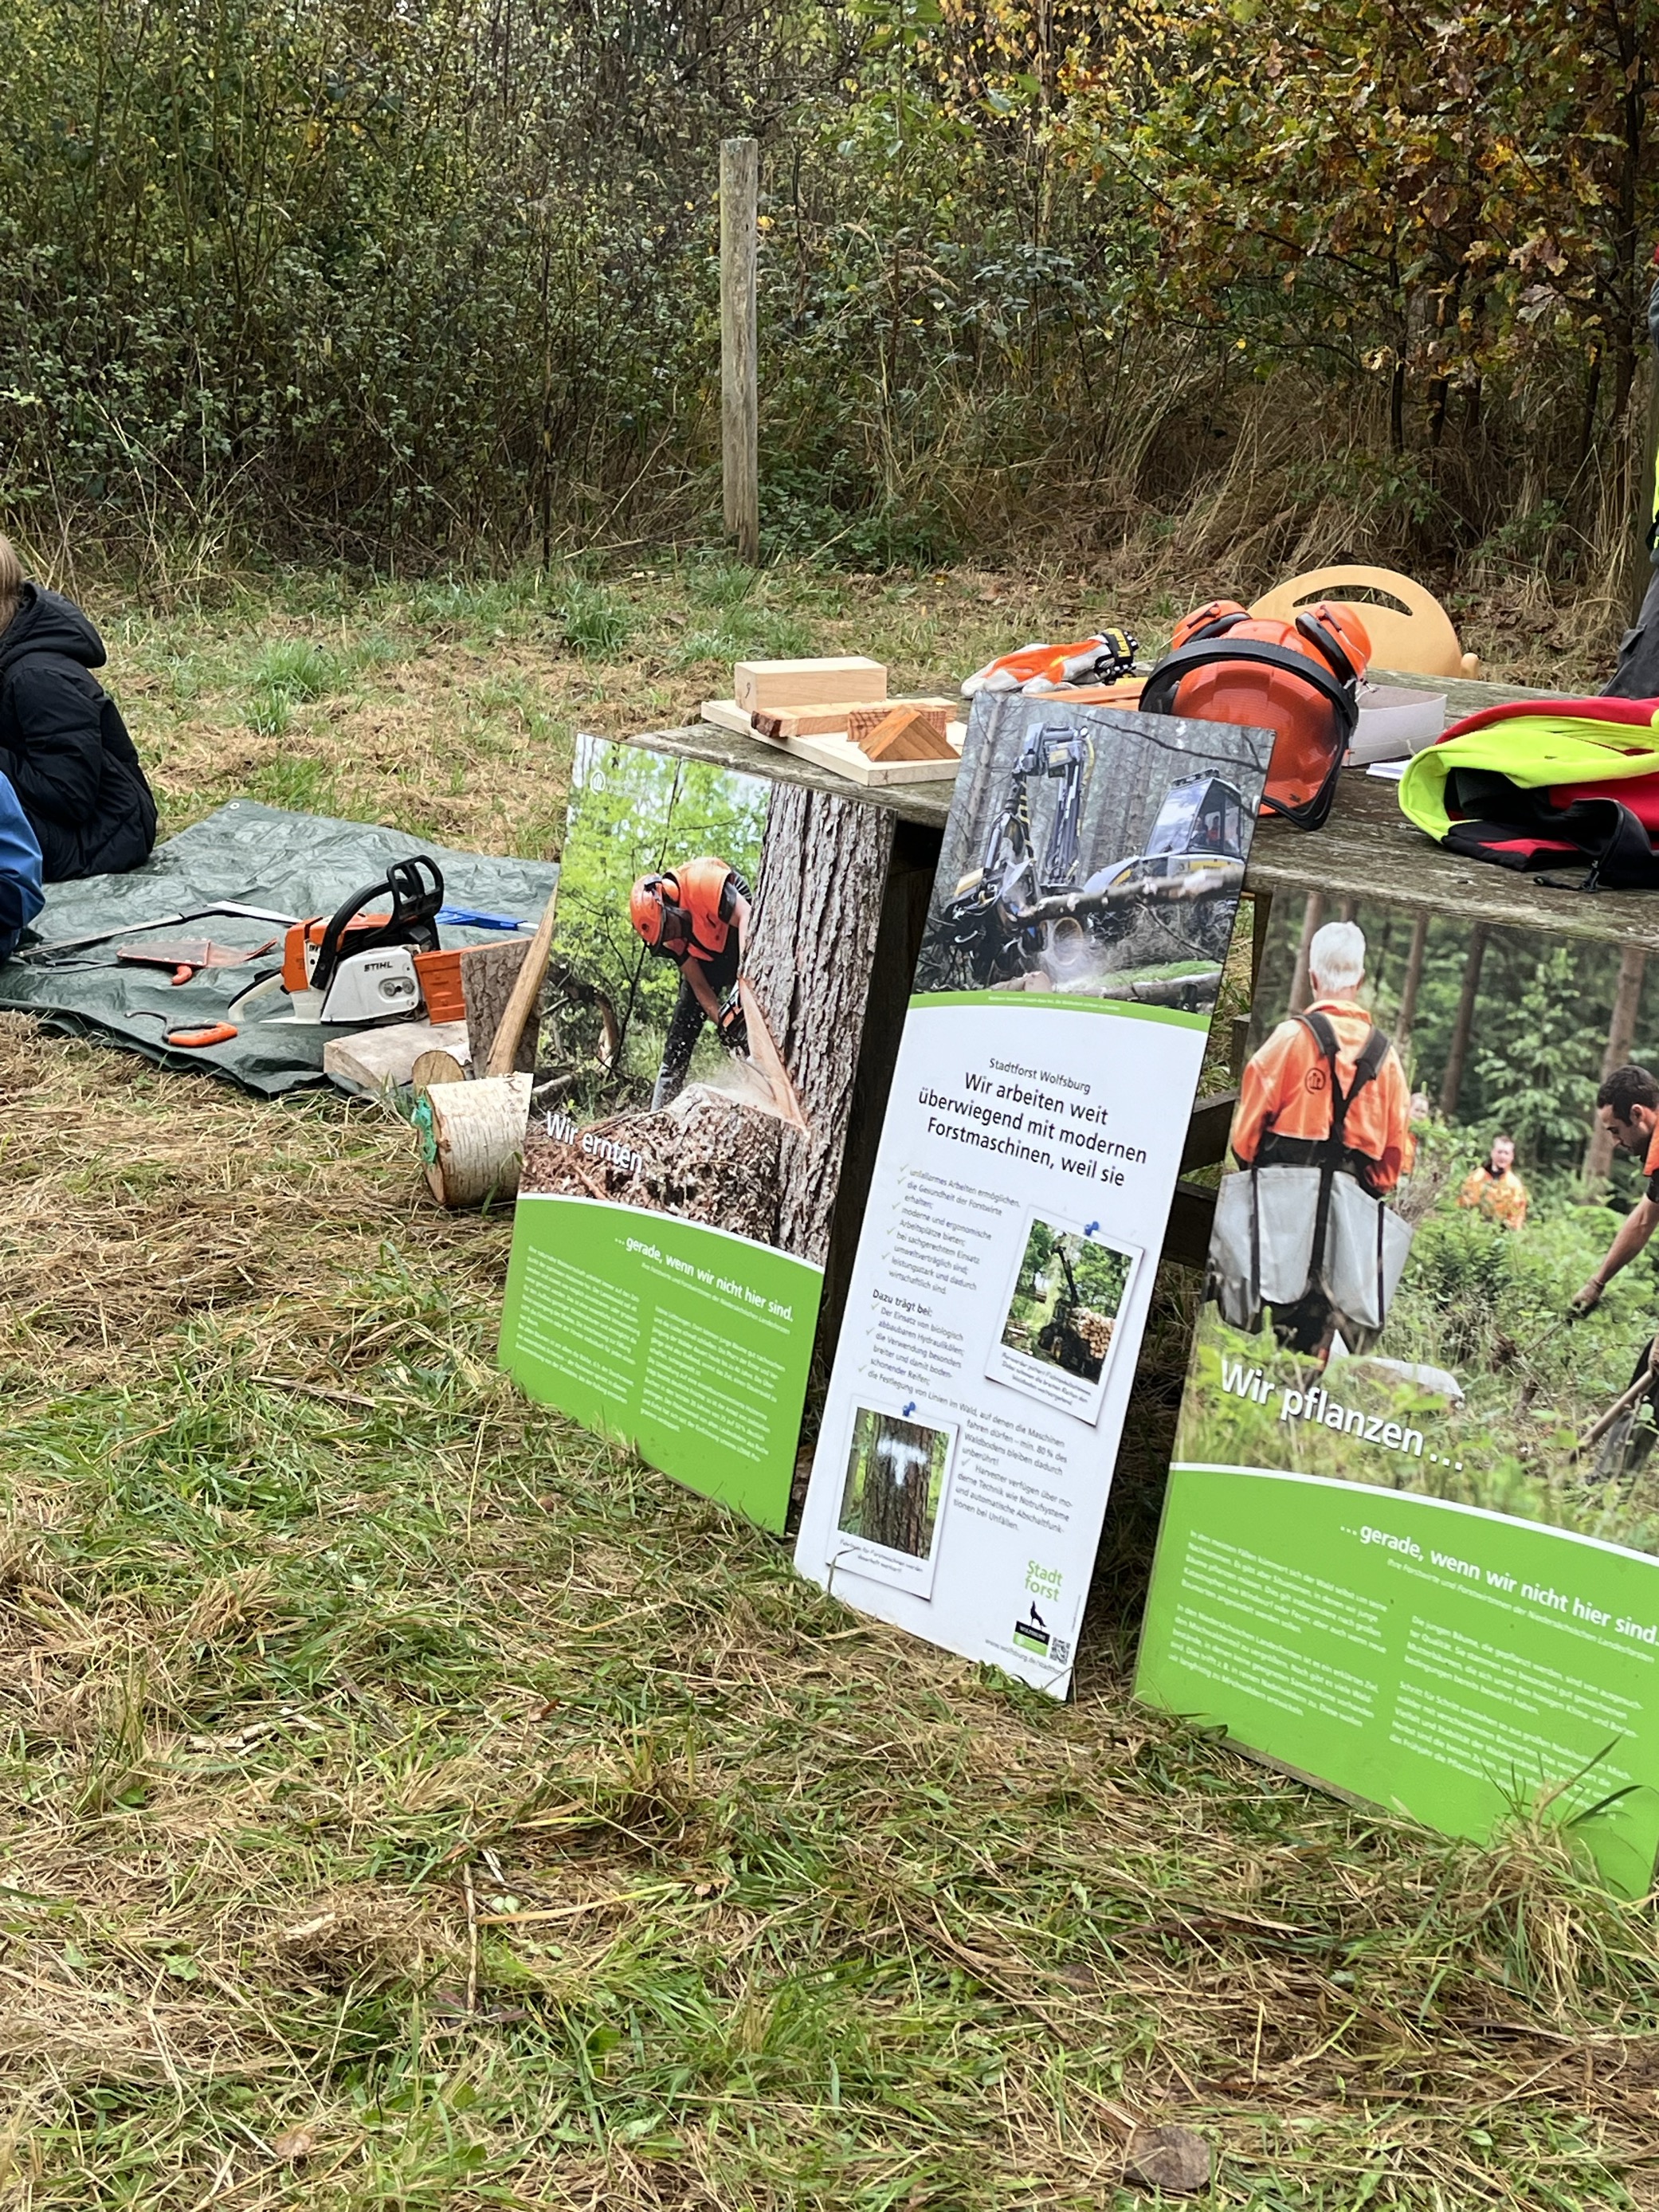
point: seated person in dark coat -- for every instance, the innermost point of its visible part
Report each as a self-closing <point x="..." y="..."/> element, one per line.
<point x="62" y="744"/>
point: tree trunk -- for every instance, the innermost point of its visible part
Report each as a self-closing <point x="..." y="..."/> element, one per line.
<point x="896" y="1487"/>
<point x="1621" y="1033"/>
<point x="1458" y="1051"/>
<point x="1312" y="914"/>
<point x="1411" y="985"/>
<point x="811" y="944"/>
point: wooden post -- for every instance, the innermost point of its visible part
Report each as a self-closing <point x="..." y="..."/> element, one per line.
<point x="1458" y="1051"/>
<point x="1409" y="986"/>
<point x="1312" y="914"/>
<point x="1621" y="1035"/>
<point x="739" y="391"/>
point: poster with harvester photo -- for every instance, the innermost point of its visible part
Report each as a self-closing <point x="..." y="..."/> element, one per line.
<point x="1092" y="853"/>
<point x="689" y="1109"/>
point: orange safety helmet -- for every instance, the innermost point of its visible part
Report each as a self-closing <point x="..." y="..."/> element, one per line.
<point x="1297" y="679"/>
<point x="647" y="910"/>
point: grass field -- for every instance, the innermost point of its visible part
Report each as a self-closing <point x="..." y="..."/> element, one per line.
<point x="412" y="1802"/>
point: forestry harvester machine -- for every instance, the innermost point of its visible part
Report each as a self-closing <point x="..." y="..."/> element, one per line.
<point x="1075" y="1336"/>
<point x="1015" y="914"/>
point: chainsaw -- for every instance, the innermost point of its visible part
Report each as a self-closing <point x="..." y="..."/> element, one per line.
<point x="363" y="969"/>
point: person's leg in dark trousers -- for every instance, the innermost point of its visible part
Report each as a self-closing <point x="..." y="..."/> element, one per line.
<point x="683" y="1030"/>
<point x="1637" y="676"/>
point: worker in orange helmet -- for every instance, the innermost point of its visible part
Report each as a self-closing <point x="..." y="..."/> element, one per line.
<point x="1327" y="1090"/>
<point x="697" y="916"/>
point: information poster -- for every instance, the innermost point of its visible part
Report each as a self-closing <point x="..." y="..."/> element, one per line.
<point x="689" y="1110"/>
<point x="1409" y="1541"/>
<point x="1083" y="909"/>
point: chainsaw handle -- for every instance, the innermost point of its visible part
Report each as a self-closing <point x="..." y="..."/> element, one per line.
<point x="416" y="889"/>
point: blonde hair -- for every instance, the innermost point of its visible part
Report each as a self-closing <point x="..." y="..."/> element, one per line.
<point x="11" y="579"/>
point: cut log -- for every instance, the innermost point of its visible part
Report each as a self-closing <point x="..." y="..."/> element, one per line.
<point x="472" y="1139"/>
<point x="904" y="735"/>
<point x="774" y="683"/>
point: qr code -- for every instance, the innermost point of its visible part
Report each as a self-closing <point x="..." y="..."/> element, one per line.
<point x="1060" y="1651"/>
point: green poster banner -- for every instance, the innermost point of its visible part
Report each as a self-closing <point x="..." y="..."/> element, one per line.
<point x="1411" y="1543"/>
<point x="698" y="1053"/>
<point x="1452" y="1664"/>
<point x="689" y="1345"/>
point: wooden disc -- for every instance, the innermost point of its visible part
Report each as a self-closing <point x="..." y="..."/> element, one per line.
<point x="435" y="1067"/>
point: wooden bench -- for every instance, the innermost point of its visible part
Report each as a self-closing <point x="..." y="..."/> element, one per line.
<point x="1367" y="847"/>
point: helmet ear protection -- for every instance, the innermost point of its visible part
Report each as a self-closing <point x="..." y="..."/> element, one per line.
<point x="1212" y="621"/>
<point x="1337" y="634"/>
<point x="1298" y="680"/>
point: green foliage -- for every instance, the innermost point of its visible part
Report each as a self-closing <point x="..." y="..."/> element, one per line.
<point x="1539" y="1057"/>
<point x="594" y="620"/>
<point x="439" y="276"/>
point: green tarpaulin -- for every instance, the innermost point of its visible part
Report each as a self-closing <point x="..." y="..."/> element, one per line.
<point x="292" y="864"/>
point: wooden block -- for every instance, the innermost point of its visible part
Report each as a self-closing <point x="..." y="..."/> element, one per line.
<point x="904" y="735"/>
<point x="863" y="719"/>
<point x="838" y="753"/>
<point x="774" y="683"/>
<point x="374" y="1061"/>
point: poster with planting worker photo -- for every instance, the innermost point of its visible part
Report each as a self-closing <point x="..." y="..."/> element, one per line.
<point x="1081" y="914"/>
<point x="688" y="1111"/>
<point x="1410" y="1540"/>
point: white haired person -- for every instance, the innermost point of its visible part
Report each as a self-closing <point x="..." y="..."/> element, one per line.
<point x="64" y="747"/>
<point x="1327" y="1088"/>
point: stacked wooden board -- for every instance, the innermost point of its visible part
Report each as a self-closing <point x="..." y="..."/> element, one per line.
<point x="837" y="713"/>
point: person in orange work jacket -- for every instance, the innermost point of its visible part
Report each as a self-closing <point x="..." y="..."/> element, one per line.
<point x="1287" y="1106"/>
<point x="697" y="916"/>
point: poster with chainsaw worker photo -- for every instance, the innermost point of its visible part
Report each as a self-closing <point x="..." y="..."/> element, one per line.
<point x="689" y="1110"/>
<point x="1082" y="911"/>
<point x="1410" y="1542"/>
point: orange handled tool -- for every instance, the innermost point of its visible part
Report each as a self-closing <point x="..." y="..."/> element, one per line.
<point x="190" y="1040"/>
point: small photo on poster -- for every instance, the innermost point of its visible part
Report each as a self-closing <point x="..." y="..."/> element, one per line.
<point x="1059" y="1318"/>
<point x="894" y="1489"/>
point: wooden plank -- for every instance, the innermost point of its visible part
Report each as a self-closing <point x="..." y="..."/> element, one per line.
<point x="836" y="755"/>
<point x="841" y="756"/>
<point x="370" y="1062"/>
<point x="739" y="382"/>
<point x="1368" y="850"/>
<point x="853" y="678"/>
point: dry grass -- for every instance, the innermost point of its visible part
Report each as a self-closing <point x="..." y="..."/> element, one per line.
<point x="409" y="1801"/>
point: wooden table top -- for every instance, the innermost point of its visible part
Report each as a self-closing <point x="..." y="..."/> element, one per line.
<point x="1367" y="849"/>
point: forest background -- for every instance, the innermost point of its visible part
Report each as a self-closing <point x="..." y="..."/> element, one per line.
<point x="1209" y="290"/>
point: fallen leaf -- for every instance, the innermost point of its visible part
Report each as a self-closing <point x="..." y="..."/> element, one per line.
<point x="1172" y="2159"/>
<point x="297" y="2144"/>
